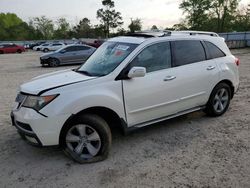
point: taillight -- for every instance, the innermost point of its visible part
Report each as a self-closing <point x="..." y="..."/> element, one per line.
<point x="237" y="61"/>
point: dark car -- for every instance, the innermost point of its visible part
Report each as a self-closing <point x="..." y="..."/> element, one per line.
<point x="96" y="43"/>
<point x="71" y="54"/>
<point x="11" y="48"/>
<point x="32" y="45"/>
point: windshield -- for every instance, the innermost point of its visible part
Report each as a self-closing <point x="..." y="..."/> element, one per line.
<point x="106" y="58"/>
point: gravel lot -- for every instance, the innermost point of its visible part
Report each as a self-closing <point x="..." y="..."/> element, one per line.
<point x="190" y="151"/>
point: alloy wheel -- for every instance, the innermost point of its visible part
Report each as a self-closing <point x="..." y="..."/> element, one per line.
<point x="83" y="140"/>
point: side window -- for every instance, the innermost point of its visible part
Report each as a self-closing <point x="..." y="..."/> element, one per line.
<point x="187" y="52"/>
<point x="155" y="57"/>
<point x="80" y="48"/>
<point x="70" y="49"/>
<point x="213" y="51"/>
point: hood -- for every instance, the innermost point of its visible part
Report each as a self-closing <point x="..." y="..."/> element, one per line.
<point x="52" y="80"/>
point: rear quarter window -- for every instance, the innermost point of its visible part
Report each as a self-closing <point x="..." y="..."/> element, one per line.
<point x="213" y="51"/>
<point x="187" y="52"/>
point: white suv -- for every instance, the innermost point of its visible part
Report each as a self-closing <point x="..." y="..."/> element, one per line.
<point x="52" y="47"/>
<point x="129" y="82"/>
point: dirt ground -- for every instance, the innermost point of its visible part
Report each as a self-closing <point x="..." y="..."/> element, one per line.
<point x="190" y="151"/>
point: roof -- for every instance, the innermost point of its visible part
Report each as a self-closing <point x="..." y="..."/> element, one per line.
<point x="139" y="37"/>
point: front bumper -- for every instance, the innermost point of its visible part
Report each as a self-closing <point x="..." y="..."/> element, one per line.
<point x="44" y="61"/>
<point x="25" y="131"/>
<point x="36" y="128"/>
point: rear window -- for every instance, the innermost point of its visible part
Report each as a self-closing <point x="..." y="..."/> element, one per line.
<point x="187" y="51"/>
<point x="213" y="51"/>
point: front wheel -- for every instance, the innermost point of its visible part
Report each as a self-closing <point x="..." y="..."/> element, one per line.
<point x="54" y="62"/>
<point x="219" y="100"/>
<point x="46" y="50"/>
<point x="87" y="140"/>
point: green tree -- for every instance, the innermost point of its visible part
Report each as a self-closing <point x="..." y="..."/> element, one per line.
<point x="62" y="30"/>
<point x="45" y="26"/>
<point x="109" y="17"/>
<point x="224" y="10"/>
<point x="83" y="29"/>
<point x="135" y="25"/>
<point x="197" y="11"/>
<point x="14" y="28"/>
<point x="154" y="27"/>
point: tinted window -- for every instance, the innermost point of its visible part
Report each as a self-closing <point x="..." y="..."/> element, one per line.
<point x="56" y="44"/>
<point x="213" y="51"/>
<point x="82" y="48"/>
<point x="70" y="49"/>
<point x="155" y="57"/>
<point x="187" y="51"/>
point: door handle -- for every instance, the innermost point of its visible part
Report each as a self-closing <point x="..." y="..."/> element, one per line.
<point x="169" y="78"/>
<point x="210" y="67"/>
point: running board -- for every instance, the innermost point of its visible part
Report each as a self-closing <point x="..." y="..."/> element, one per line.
<point x="166" y="118"/>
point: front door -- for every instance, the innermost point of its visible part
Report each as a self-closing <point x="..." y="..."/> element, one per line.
<point x="153" y="96"/>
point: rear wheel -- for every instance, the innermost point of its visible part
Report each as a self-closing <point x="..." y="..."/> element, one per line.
<point x="219" y="100"/>
<point x="87" y="140"/>
<point x="19" y="51"/>
<point x="1" y="52"/>
<point x="53" y="62"/>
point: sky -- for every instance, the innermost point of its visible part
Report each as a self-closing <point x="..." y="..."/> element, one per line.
<point x="162" y="13"/>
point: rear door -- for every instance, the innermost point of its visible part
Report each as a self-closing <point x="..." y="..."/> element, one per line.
<point x="196" y="73"/>
<point x="83" y="53"/>
<point x="68" y="55"/>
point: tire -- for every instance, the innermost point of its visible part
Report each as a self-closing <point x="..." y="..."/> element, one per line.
<point x="45" y="50"/>
<point x="1" y="52"/>
<point x="219" y="100"/>
<point x="38" y="49"/>
<point x="78" y="145"/>
<point x="19" y="51"/>
<point x="53" y="62"/>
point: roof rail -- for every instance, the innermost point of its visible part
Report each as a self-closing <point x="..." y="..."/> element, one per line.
<point x="196" y="33"/>
<point x="163" y="33"/>
<point x="150" y="33"/>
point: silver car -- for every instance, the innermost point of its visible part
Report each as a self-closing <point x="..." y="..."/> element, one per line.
<point x="71" y="54"/>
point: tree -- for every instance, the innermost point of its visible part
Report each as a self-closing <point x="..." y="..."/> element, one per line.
<point x="135" y="25"/>
<point x="62" y="30"/>
<point x="109" y="18"/>
<point x="14" y="28"/>
<point x="196" y="11"/>
<point x="154" y="27"/>
<point x="83" y="29"/>
<point x="224" y="11"/>
<point x="45" y="26"/>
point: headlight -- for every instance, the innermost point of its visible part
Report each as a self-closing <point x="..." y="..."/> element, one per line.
<point x="38" y="102"/>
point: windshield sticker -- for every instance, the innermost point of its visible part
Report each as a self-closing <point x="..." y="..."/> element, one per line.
<point x="118" y="53"/>
<point x="122" y="47"/>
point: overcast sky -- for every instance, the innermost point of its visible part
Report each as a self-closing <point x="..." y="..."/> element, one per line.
<point x="162" y="13"/>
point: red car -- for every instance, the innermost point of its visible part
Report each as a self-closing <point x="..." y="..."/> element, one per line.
<point x="11" y="48"/>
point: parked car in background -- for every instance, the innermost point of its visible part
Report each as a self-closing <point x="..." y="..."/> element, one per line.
<point x="32" y="45"/>
<point x="11" y="48"/>
<point x="52" y="47"/>
<point x="71" y="54"/>
<point x="96" y="43"/>
<point x="38" y="48"/>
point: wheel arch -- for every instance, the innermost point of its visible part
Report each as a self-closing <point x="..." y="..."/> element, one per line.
<point x="230" y="84"/>
<point x="111" y="117"/>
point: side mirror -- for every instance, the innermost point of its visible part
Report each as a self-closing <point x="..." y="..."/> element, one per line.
<point x="137" y="72"/>
<point x="62" y="51"/>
